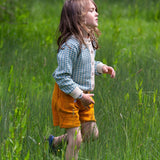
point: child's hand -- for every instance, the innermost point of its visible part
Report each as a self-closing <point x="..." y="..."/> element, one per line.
<point x="86" y="99"/>
<point x="109" y="70"/>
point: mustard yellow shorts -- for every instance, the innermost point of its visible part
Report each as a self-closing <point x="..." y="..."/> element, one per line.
<point x="67" y="112"/>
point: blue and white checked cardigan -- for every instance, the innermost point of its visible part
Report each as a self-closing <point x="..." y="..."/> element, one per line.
<point x="76" y="68"/>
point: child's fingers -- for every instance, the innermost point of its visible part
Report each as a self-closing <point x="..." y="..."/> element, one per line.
<point x="113" y="74"/>
<point x="87" y="99"/>
<point x="91" y="101"/>
<point x="90" y="95"/>
<point x="105" y="69"/>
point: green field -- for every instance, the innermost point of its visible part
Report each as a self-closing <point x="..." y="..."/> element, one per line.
<point x="127" y="108"/>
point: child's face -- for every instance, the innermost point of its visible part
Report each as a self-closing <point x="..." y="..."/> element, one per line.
<point x="91" y="18"/>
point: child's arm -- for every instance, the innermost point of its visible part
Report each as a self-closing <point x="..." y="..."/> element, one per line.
<point x="66" y="58"/>
<point x="86" y="99"/>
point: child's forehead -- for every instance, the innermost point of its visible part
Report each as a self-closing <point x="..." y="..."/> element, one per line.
<point x="90" y="5"/>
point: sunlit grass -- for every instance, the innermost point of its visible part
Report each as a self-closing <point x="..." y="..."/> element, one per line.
<point x="127" y="108"/>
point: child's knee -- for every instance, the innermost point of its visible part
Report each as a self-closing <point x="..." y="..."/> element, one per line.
<point x="78" y="141"/>
<point x="95" y="134"/>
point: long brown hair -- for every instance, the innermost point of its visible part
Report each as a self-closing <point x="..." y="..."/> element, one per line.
<point x="72" y="23"/>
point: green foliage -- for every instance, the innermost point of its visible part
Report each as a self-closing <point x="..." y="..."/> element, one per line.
<point x="12" y="10"/>
<point x="12" y="144"/>
<point x="127" y="108"/>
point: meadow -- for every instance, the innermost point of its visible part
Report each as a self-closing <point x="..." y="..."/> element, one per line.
<point x="127" y="108"/>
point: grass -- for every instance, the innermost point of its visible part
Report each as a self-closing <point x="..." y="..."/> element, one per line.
<point x="127" y="108"/>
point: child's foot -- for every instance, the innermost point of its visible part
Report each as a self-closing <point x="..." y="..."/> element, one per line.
<point x="53" y="149"/>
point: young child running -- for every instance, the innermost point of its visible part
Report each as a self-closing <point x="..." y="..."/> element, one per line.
<point x="72" y="101"/>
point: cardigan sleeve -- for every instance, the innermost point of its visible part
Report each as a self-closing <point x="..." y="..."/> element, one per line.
<point x="99" y="66"/>
<point x="66" y="59"/>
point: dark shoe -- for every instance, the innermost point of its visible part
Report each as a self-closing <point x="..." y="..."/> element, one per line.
<point x="52" y="148"/>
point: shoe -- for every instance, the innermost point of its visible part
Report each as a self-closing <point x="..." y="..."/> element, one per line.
<point x="52" y="148"/>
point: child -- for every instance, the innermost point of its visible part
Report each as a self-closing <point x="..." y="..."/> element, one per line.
<point x="72" y="102"/>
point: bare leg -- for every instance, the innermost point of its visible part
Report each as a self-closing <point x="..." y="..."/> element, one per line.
<point x="74" y="143"/>
<point x="89" y="130"/>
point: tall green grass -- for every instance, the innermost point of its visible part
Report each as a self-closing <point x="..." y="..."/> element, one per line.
<point x="127" y="108"/>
